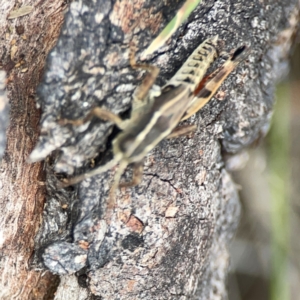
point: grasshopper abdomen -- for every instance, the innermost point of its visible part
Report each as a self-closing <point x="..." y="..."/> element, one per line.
<point x="195" y="67"/>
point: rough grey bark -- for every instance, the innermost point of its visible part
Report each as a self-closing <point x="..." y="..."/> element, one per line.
<point x="168" y="236"/>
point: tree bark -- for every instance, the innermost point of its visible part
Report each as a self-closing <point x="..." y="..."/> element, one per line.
<point x="168" y="237"/>
<point x="25" y="43"/>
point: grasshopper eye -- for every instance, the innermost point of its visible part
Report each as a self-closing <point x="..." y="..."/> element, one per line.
<point x="124" y="143"/>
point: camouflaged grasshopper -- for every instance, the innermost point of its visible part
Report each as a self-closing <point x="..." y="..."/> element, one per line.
<point x="155" y="117"/>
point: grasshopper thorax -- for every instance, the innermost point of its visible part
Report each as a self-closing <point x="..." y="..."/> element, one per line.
<point x="154" y="125"/>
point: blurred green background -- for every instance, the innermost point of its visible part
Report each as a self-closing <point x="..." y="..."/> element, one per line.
<point x="265" y="255"/>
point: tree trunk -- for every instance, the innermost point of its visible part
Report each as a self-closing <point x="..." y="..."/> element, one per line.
<point x="167" y="237"/>
<point x="25" y="43"/>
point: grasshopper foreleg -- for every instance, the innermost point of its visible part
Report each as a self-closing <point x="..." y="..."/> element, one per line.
<point x="99" y="170"/>
<point x="101" y="113"/>
<point x="153" y="71"/>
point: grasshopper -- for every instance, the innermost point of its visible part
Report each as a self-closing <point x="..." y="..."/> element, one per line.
<point x="155" y="117"/>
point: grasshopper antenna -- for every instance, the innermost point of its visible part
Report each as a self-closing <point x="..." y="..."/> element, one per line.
<point x="101" y="169"/>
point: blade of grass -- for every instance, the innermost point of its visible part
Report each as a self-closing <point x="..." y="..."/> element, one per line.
<point x="180" y="17"/>
<point x="279" y="173"/>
